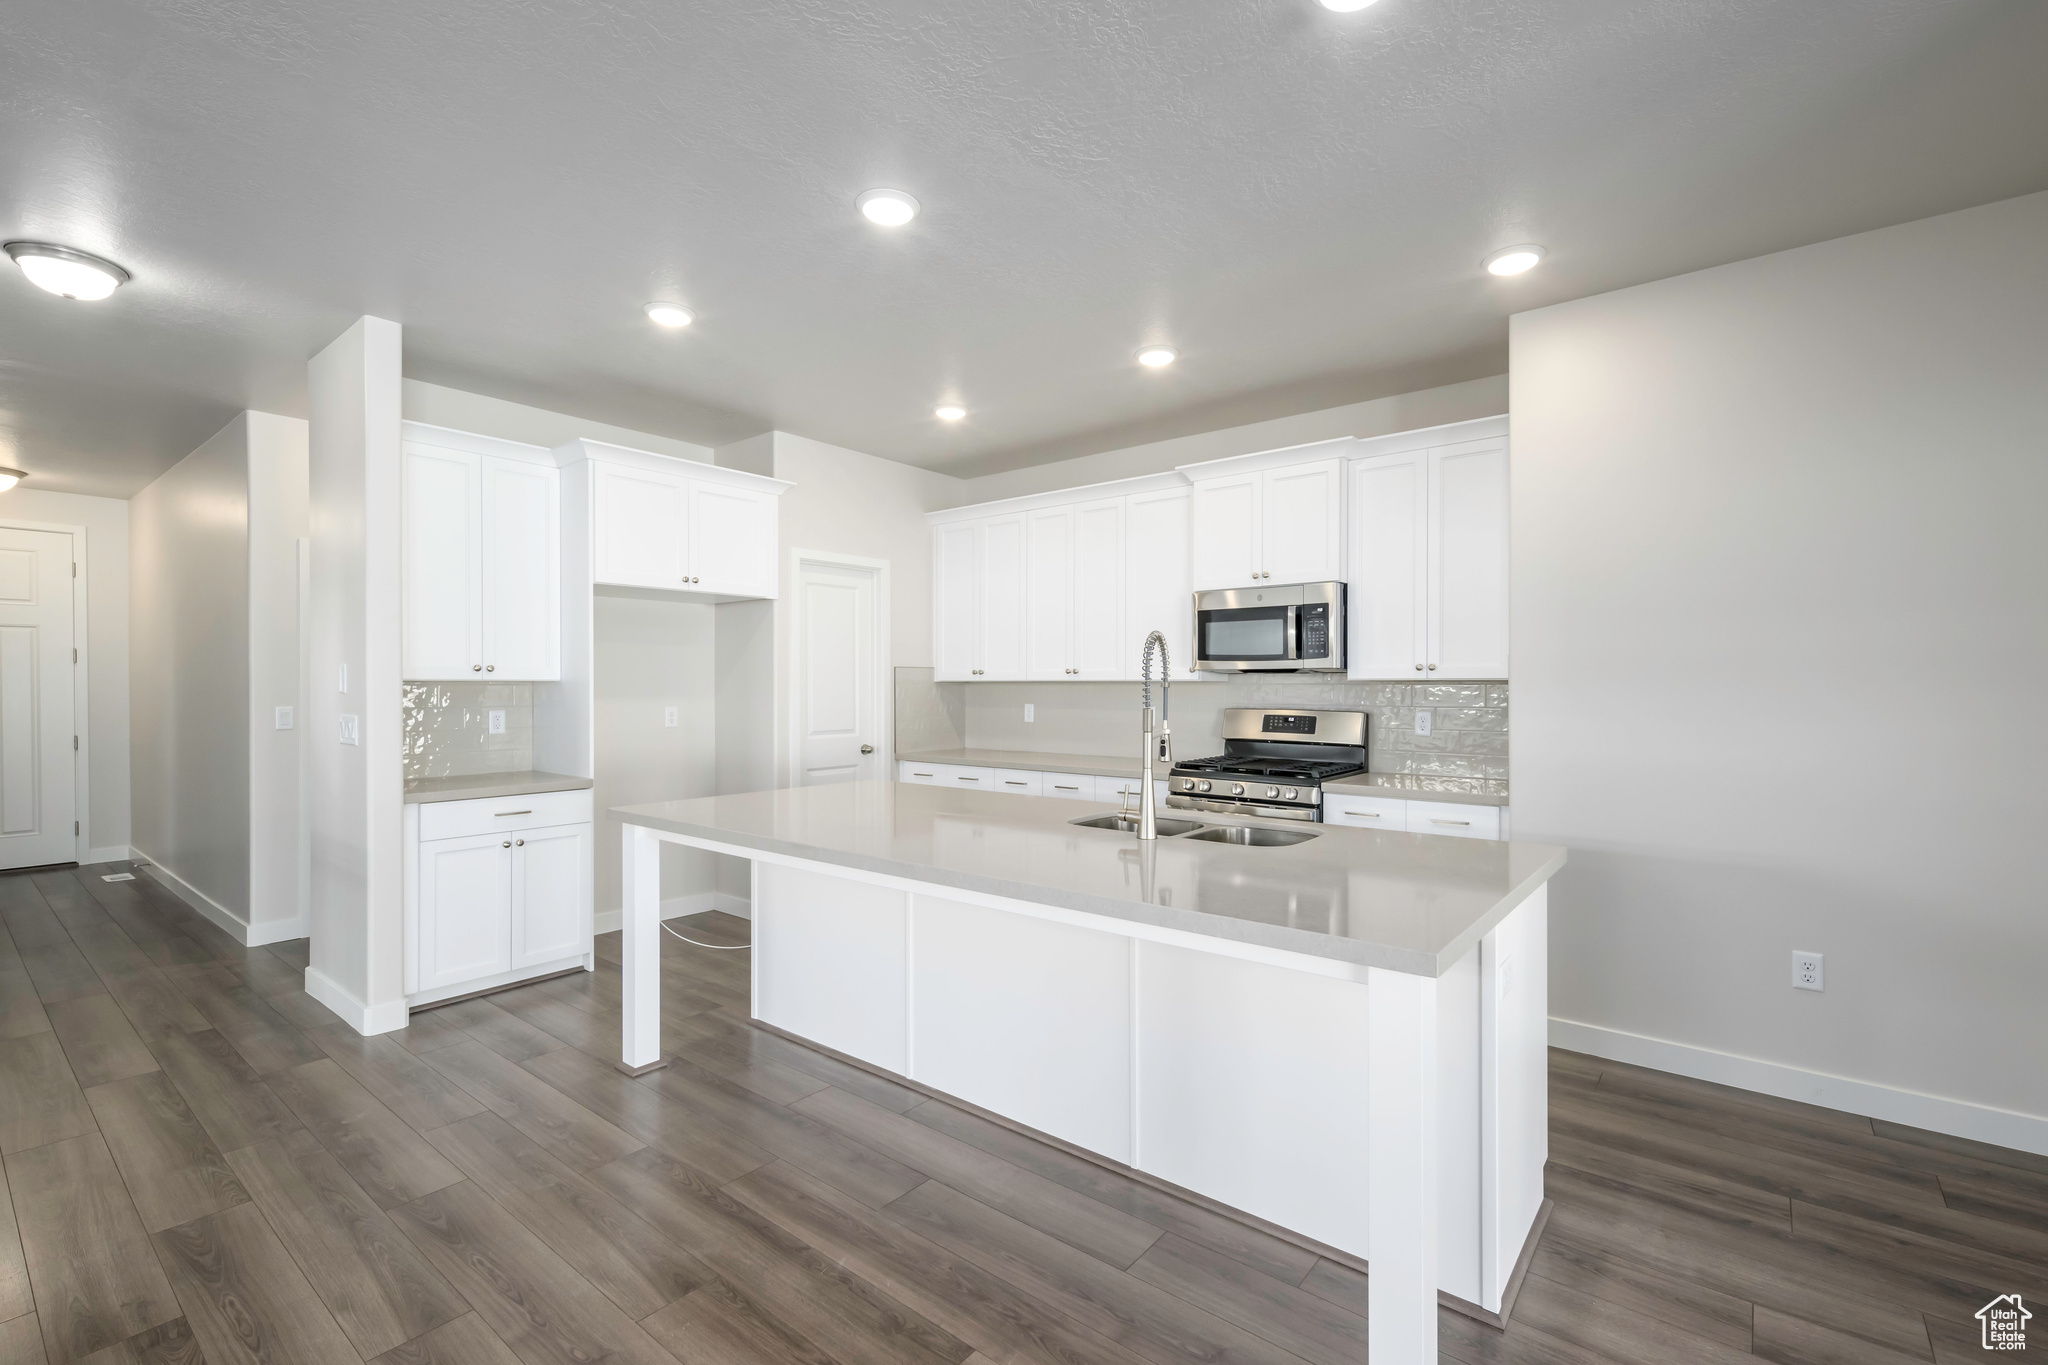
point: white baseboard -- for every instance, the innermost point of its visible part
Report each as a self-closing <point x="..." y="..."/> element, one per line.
<point x="675" y="907"/>
<point x="364" y="1019"/>
<point x="277" y="931"/>
<point x="1956" y="1118"/>
<point x="226" y="920"/>
<point x="112" y="853"/>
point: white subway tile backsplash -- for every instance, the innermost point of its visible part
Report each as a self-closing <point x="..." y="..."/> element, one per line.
<point x="447" y="729"/>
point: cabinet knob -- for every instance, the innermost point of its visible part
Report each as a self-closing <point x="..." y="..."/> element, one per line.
<point x="506" y="844"/>
<point x="521" y="843"/>
<point x="1432" y="668"/>
<point x="490" y="668"/>
<point x="476" y="668"/>
<point x="1418" y="668"/>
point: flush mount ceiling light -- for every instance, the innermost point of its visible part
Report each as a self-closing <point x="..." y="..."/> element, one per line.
<point x="1346" y="6"/>
<point x="670" y="314"/>
<point x="59" y="269"/>
<point x="948" y="412"/>
<point x="1157" y="357"/>
<point x="11" y="477"/>
<point x="890" y="208"/>
<point x="1513" y="260"/>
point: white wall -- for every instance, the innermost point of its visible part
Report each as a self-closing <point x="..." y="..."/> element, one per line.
<point x="1378" y="417"/>
<point x="277" y="456"/>
<point x="1779" y="640"/>
<point x="189" y="692"/>
<point x="356" y="791"/>
<point x="103" y="581"/>
<point x="653" y="653"/>
<point x="444" y="407"/>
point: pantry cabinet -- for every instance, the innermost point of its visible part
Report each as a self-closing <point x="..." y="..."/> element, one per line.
<point x="480" y="560"/>
<point x="1255" y="521"/>
<point x="681" y="526"/>
<point x="1429" y="558"/>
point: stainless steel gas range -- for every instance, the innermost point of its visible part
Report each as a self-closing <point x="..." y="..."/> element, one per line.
<point x="1274" y="763"/>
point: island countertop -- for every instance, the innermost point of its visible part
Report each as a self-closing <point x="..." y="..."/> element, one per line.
<point x="1413" y="903"/>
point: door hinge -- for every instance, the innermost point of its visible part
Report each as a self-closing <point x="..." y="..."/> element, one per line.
<point x="74" y="657"/>
<point x="74" y="568"/>
<point x="74" y="829"/>
<point x="74" y="744"/>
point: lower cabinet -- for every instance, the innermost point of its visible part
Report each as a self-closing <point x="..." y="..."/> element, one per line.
<point x="1417" y="817"/>
<point x="487" y="908"/>
<point x="1028" y="782"/>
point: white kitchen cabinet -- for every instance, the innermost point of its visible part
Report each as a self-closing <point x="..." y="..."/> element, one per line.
<point x="1277" y="524"/>
<point x="956" y="601"/>
<point x="496" y="891"/>
<point x="1018" y="782"/>
<point x="1067" y="786"/>
<point x="1002" y="599"/>
<point x="681" y="526"/>
<point x="980" y="599"/>
<point x="1450" y="818"/>
<point x="1049" y="593"/>
<point x="1074" y="566"/>
<point x="481" y="564"/>
<point x="1429" y="558"/>
<point x="1157" y="582"/>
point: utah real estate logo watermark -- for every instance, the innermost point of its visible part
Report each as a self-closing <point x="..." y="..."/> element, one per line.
<point x="2005" y="1323"/>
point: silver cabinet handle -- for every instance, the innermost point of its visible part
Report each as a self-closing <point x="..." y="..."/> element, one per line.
<point x="1418" y="668"/>
<point x="503" y="813"/>
<point x="965" y="779"/>
<point x="1013" y="782"/>
<point x="519" y="843"/>
<point x="506" y="844"/>
<point x="1060" y="788"/>
<point x="490" y="668"/>
<point x="1435" y="821"/>
<point x="476" y="668"/>
<point x="920" y="774"/>
<point x="1432" y="668"/>
<point x="1364" y="814"/>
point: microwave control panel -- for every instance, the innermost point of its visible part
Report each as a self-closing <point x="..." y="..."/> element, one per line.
<point x="1315" y="631"/>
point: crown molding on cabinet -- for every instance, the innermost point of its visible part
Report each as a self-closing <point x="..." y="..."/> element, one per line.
<point x="603" y="452"/>
<point x="447" y="438"/>
<point x="1060" y="497"/>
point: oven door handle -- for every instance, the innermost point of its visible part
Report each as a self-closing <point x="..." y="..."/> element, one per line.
<point x="1293" y="633"/>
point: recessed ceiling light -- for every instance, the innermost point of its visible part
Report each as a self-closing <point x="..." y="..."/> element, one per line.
<point x="670" y="314"/>
<point x="11" y="477"/>
<point x="947" y="412"/>
<point x="890" y="208"/>
<point x="73" y="274"/>
<point x="1157" y="357"/>
<point x="1347" y="6"/>
<point x="1513" y="260"/>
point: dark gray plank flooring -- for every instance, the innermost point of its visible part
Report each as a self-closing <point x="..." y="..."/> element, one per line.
<point x="203" y="1164"/>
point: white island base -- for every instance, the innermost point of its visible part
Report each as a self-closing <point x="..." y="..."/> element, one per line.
<point x="1398" y="1117"/>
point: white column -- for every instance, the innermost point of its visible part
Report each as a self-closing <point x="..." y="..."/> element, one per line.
<point x="1401" y="1169"/>
<point x="640" y="945"/>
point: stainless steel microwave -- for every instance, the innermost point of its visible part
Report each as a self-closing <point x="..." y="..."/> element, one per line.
<point x="1282" y="628"/>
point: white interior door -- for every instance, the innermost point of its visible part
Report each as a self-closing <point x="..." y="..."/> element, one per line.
<point x="38" y="768"/>
<point x="838" y="694"/>
<point x="1048" y="593"/>
<point x="441" y="569"/>
<point x="1468" y="560"/>
<point x="1389" y="563"/>
<point x="522" y="572"/>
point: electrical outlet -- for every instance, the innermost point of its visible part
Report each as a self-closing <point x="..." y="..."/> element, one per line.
<point x="1423" y="719"/>
<point x="497" y="722"/>
<point x="348" y="730"/>
<point x="284" y="717"/>
<point x="1806" y="971"/>
<point x="668" y="717"/>
<point x="1030" y="713"/>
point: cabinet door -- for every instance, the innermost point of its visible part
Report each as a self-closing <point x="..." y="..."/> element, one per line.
<point x="442" y="571"/>
<point x="1224" y="540"/>
<point x="732" y="540"/>
<point x="522" y="572"/>
<point x="1049" y="593"/>
<point x="1301" y="512"/>
<point x="1002" y="598"/>
<point x="956" y="601"/>
<point x="1468" y="560"/>
<point x="1102" y="646"/>
<point x="639" y="525"/>
<point x="1160" y="590"/>
<point x="465" y="921"/>
<point x="551" y="894"/>
<point x="1387" y="601"/>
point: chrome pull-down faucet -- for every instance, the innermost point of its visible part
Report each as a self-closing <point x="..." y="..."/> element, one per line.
<point x="1158" y="738"/>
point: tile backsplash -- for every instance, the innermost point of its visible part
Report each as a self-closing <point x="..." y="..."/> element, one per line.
<point x="448" y="734"/>
<point x="1468" y="721"/>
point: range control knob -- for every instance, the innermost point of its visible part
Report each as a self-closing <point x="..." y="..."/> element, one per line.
<point x="1290" y="793"/>
<point x="1204" y="785"/>
<point x="1187" y="784"/>
<point x="1237" y="789"/>
<point x="1272" y="793"/>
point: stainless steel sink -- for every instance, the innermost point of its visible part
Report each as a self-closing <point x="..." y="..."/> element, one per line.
<point x="1252" y="836"/>
<point x="1128" y="824"/>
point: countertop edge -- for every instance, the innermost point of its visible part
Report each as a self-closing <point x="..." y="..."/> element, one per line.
<point x="1091" y="765"/>
<point x="488" y="791"/>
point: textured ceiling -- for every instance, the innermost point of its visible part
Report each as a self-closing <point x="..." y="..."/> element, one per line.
<point x="1297" y="199"/>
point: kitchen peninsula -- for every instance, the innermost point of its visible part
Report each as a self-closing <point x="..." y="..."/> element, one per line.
<point x="1341" y="1034"/>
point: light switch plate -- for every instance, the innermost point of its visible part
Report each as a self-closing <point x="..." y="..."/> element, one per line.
<point x="497" y="721"/>
<point x="348" y="730"/>
<point x="1423" y="720"/>
<point x="668" y="717"/>
<point x="1030" y="713"/>
<point x="284" y="717"/>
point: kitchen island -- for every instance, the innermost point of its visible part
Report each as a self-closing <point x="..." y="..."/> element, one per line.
<point x="1341" y="1035"/>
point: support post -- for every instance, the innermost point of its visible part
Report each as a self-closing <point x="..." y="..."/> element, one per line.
<point x="1401" y="1169"/>
<point x="640" y="950"/>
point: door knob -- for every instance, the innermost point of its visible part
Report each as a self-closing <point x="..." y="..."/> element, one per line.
<point x="867" y="748"/>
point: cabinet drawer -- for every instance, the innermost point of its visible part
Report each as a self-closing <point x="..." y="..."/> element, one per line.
<point x="1366" y="812"/>
<point x="456" y="819"/>
<point x="924" y="774"/>
<point x="1114" y="789"/>
<point x="1462" y="822"/>
<point x="1071" y="786"/>
<point x="1017" y="781"/>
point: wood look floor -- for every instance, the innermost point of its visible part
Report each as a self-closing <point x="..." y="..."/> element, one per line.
<point x="204" y="1165"/>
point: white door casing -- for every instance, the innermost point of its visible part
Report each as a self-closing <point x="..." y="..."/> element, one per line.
<point x="38" y="719"/>
<point x="839" y="669"/>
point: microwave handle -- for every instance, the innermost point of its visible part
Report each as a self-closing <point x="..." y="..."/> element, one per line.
<point x="1293" y="633"/>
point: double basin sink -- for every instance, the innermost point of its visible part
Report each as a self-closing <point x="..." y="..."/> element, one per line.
<point x="1245" y="836"/>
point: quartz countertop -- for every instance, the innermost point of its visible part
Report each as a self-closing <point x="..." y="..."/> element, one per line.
<point x="1471" y="791"/>
<point x="1412" y="903"/>
<point x="488" y="786"/>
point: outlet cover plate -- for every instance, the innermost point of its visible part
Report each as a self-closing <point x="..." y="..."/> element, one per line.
<point x="1807" y="971"/>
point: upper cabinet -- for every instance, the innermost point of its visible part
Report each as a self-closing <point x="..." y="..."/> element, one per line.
<point x="1429" y="556"/>
<point x="1276" y="518"/>
<point x="481" y="564"/>
<point x="679" y="525"/>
